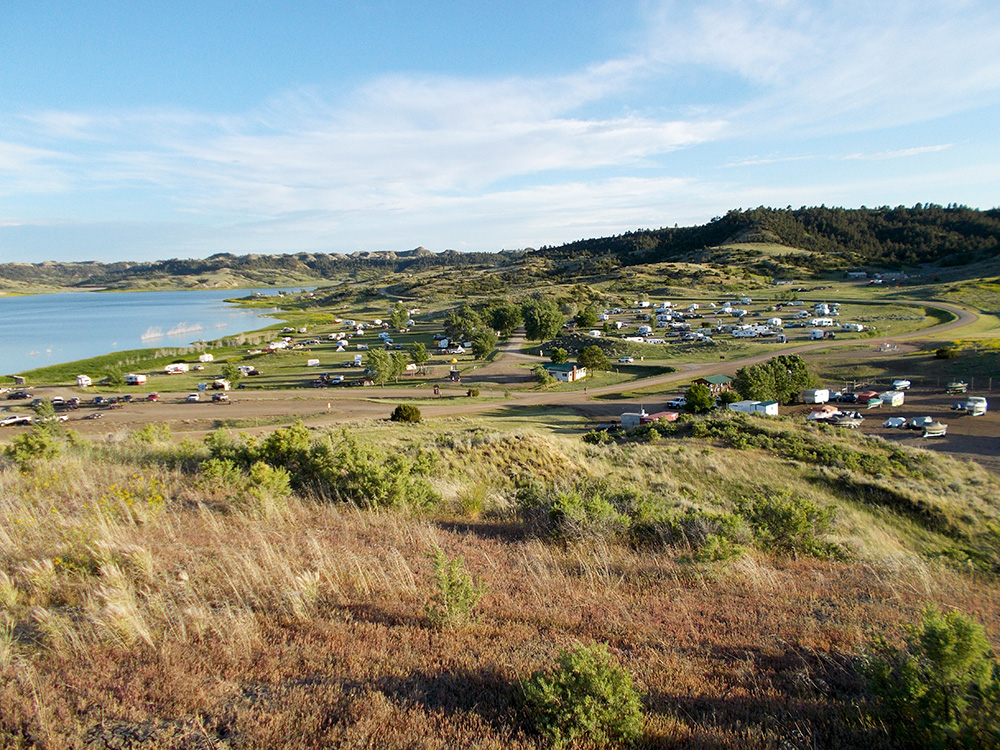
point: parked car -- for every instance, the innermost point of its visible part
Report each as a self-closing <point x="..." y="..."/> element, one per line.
<point x="52" y="418"/>
<point x="57" y="402"/>
<point x="220" y="396"/>
<point x="16" y="395"/>
<point x="626" y="359"/>
<point x="15" y="419"/>
<point x="192" y="397"/>
<point x="127" y="398"/>
<point x="99" y="400"/>
<point x="894" y="422"/>
<point x="677" y="403"/>
<point x="153" y="397"/>
<point x="73" y="402"/>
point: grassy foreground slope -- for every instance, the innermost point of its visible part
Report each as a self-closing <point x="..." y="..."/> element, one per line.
<point x="274" y="592"/>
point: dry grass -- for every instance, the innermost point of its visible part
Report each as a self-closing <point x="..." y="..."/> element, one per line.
<point x="136" y="608"/>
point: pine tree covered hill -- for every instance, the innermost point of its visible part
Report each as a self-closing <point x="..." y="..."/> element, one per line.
<point x="836" y="238"/>
<point x="833" y="238"/>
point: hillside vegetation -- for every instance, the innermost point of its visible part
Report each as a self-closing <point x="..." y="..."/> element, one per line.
<point x="765" y="240"/>
<point x="398" y="585"/>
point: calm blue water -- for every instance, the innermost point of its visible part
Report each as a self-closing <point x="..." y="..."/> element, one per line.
<point x="46" y="329"/>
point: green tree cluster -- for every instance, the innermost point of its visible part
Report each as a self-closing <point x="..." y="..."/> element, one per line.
<point x="593" y="358"/>
<point x="542" y="320"/>
<point x="484" y="341"/>
<point x="779" y="379"/>
<point x="699" y="398"/>
<point x="503" y="317"/>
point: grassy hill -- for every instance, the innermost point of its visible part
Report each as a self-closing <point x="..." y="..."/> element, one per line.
<point x="278" y="591"/>
<point x="764" y="241"/>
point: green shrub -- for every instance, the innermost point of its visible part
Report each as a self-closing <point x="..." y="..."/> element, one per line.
<point x="543" y="376"/>
<point x="153" y="432"/>
<point x="586" y="697"/>
<point x="346" y="470"/>
<point x="32" y="448"/>
<point x="946" y="352"/>
<point x="597" y="437"/>
<point x="942" y="689"/>
<point x="405" y="413"/>
<point x="787" y="524"/>
<point x="472" y="393"/>
<point x="569" y="510"/>
<point x="456" y="594"/>
<point x="711" y="537"/>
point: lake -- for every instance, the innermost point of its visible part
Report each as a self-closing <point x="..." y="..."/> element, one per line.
<point x="48" y="329"/>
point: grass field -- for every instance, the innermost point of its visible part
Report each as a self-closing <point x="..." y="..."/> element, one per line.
<point x="143" y="596"/>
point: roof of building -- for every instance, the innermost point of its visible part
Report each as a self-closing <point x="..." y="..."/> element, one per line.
<point x="562" y="367"/>
<point x="715" y="379"/>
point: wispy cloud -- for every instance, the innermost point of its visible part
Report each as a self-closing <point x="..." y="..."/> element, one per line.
<point x="843" y="65"/>
<point x="898" y="153"/>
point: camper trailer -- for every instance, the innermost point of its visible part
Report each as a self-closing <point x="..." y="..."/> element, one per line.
<point x="816" y="396"/>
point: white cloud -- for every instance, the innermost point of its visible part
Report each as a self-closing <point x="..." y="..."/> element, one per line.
<point x="898" y="153"/>
<point x="838" y="65"/>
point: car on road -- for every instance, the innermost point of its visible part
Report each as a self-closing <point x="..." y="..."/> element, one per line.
<point x="894" y="422"/>
<point x="220" y="396"/>
<point x="626" y="359"/>
<point x="153" y="397"/>
<point x="192" y="397"/>
<point x="677" y="403"/>
<point x="15" y="419"/>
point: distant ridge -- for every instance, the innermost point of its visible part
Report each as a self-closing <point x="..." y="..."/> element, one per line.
<point x="832" y="238"/>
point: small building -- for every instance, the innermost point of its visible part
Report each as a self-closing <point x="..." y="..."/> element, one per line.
<point x="206" y="357"/>
<point x="131" y="378"/>
<point x="566" y="373"/>
<point x="312" y="363"/>
<point x="632" y="419"/>
<point x="83" y="381"/>
<point x="716" y="383"/>
<point x="176" y="368"/>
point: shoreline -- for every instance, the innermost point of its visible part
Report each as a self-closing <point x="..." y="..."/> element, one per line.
<point x="146" y="356"/>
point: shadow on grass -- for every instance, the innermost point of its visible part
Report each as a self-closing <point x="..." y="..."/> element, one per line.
<point x="484" y="691"/>
<point x="501" y="531"/>
<point x="797" y="698"/>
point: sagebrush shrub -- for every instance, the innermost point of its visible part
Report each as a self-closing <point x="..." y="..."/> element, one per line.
<point x="405" y="413"/>
<point x="456" y="594"/>
<point x="587" y="696"/>
<point x="788" y="524"/>
<point x="942" y="689"/>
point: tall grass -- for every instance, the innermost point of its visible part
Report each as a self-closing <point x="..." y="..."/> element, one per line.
<point x="142" y="596"/>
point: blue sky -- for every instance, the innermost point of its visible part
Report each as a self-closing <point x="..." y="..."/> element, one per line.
<point x="136" y="131"/>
